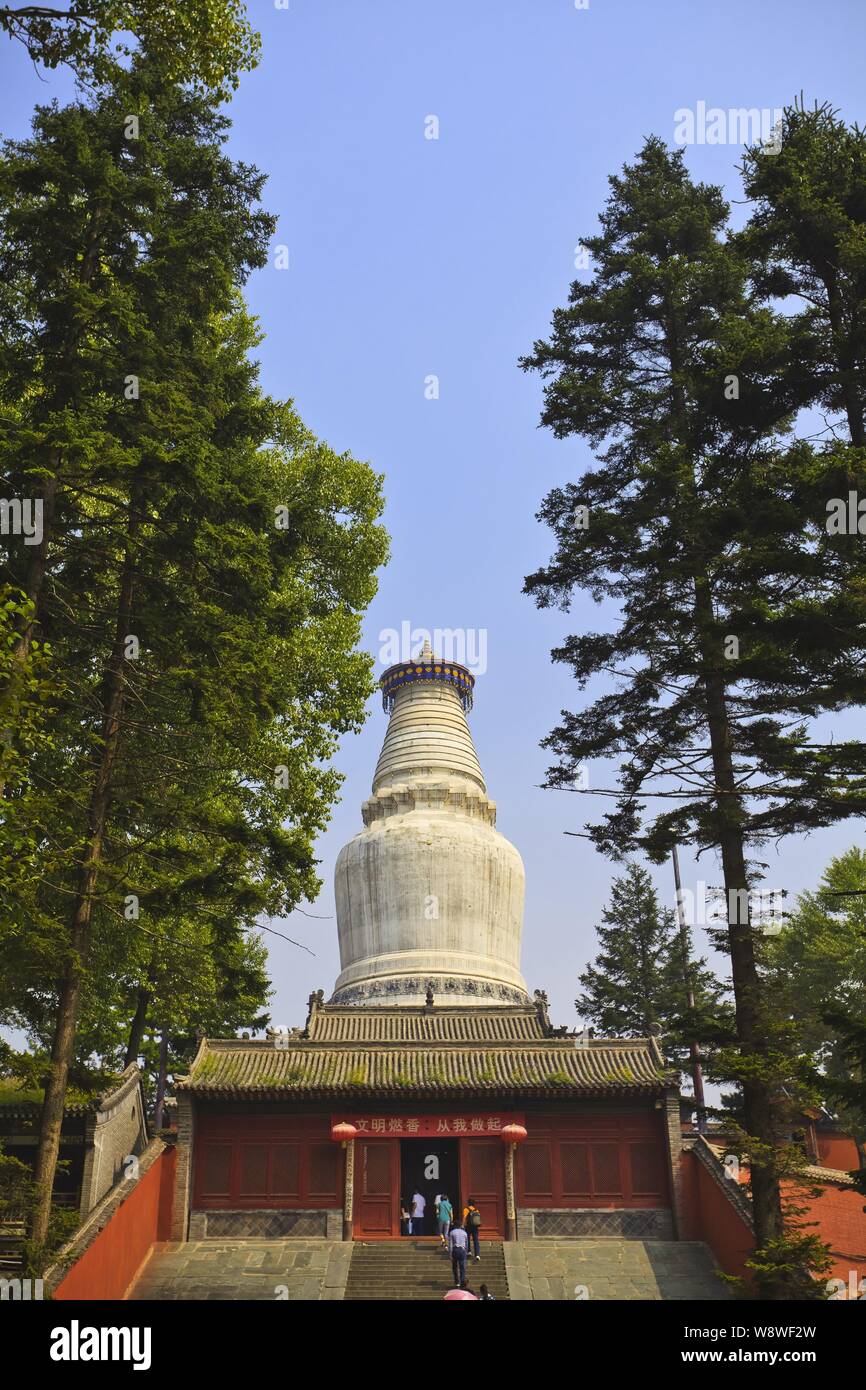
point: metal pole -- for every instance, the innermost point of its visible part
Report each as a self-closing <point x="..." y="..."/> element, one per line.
<point x="694" y="1050"/>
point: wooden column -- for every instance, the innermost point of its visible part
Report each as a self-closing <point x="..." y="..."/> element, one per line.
<point x="349" y="1191"/>
<point x="510" y="1209"/>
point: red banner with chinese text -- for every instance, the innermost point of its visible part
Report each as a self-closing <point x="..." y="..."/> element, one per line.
<point x="457" y="1125"/>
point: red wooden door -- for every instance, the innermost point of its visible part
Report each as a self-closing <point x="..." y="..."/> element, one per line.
<point x="377" y="1169"/>
<point x="482" y="1176"/>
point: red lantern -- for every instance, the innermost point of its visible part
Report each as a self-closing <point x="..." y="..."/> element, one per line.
<point x="512" y="1134"/>
<point x="342" y="1133"/>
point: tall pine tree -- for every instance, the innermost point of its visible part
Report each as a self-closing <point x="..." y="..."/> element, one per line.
<point x="694" y="525"/>
<point x="639" y="980"/>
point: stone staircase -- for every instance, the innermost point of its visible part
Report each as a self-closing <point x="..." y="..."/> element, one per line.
<point x="419" y="1269"/>
<point x="539" y="1269"/>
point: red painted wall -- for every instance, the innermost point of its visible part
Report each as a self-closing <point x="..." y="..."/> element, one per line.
<point x="710" y="1217"/>
<point x="838" y="1151"/>
<point x="266" y="1160"/>
<point x="841" y="1224"/>
<point x="585" y="1159"/>
<point x="110" y="1264"/>
<point x="836" y="1216"/>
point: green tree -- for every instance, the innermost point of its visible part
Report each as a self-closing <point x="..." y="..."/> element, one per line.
<point x="806" y="245"/>
<point x="208" y="41"/>
<point x="818" y="967"/>
<point x="848" y="1091"/>
<point x="149" y="238"/>
<point x="22" y="850"/>
<point x="204" y="565"/>
<point x="694" y="524"/>
<point x="638" y="980"/>
<point x="807" y="237"/>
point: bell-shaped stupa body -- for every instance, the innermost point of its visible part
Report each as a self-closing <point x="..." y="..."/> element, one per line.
<point x="429" y="894"/>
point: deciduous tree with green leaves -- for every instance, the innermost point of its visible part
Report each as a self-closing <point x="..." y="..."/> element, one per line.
<point x="204" y="564"/>
<point x="205" y="41"/>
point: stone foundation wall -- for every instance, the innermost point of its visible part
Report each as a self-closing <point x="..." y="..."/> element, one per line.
<point x="595" y="1223"/>
<point x="266" y="1224"/>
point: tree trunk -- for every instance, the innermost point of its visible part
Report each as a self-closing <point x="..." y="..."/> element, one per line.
<point x="845" y="357"/>
<point x="757" y="1096"/>
<point x="758" y="1110"/>
<point x="136" y="1028"/>
<point x="162" y="1075"/>
<point x="63" y="1046"/>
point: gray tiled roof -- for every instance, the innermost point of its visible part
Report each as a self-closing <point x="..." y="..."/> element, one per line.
<point x="27" y="1106"/>
<point x="352" y="1023"/>
<point x="449" y="1052"/>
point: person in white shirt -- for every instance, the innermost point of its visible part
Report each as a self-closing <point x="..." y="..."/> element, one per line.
<point x="419" y="1203"/>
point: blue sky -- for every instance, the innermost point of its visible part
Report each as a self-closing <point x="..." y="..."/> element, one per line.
<point x="410" y="257"/>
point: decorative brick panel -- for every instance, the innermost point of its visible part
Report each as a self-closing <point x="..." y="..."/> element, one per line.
<point x="260" y="1225"/>
<point x="617" y="1223"/>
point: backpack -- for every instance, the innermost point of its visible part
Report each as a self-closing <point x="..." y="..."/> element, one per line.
<point x="475" y="1219"/>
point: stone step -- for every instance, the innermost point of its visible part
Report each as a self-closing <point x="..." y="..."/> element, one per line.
<point x="388" y="1270"/>
<point x="407" y="1277"/>
<point x="409" y="1296"/>
<point x="431" y="1285"/>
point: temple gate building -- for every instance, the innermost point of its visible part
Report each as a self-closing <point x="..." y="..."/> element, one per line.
<point x="431" y="1066"/>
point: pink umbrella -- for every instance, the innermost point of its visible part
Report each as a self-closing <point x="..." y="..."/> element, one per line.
<point x="463" y="1295"/>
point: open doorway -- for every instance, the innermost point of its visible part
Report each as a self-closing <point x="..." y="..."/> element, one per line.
<point x="432" y="1168"/>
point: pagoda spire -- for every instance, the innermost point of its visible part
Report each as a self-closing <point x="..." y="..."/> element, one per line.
<point x="429" y="894"/>
<point x="428" y="737"/>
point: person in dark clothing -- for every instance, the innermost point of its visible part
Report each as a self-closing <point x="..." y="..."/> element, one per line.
<point x="458" y="1244"/>
<point x="472" y="1224"/>
<point x="485" y="1296"/>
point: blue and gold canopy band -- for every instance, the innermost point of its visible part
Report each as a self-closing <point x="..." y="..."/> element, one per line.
<point x="427" y="668"/>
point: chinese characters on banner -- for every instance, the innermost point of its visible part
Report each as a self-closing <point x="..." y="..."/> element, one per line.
<point x="468" y="1124"/>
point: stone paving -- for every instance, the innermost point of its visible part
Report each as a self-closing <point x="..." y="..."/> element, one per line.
<point x="612" y="1269"/>
<point x="541" y="1269"/>
<point x="232" y="1270"/>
